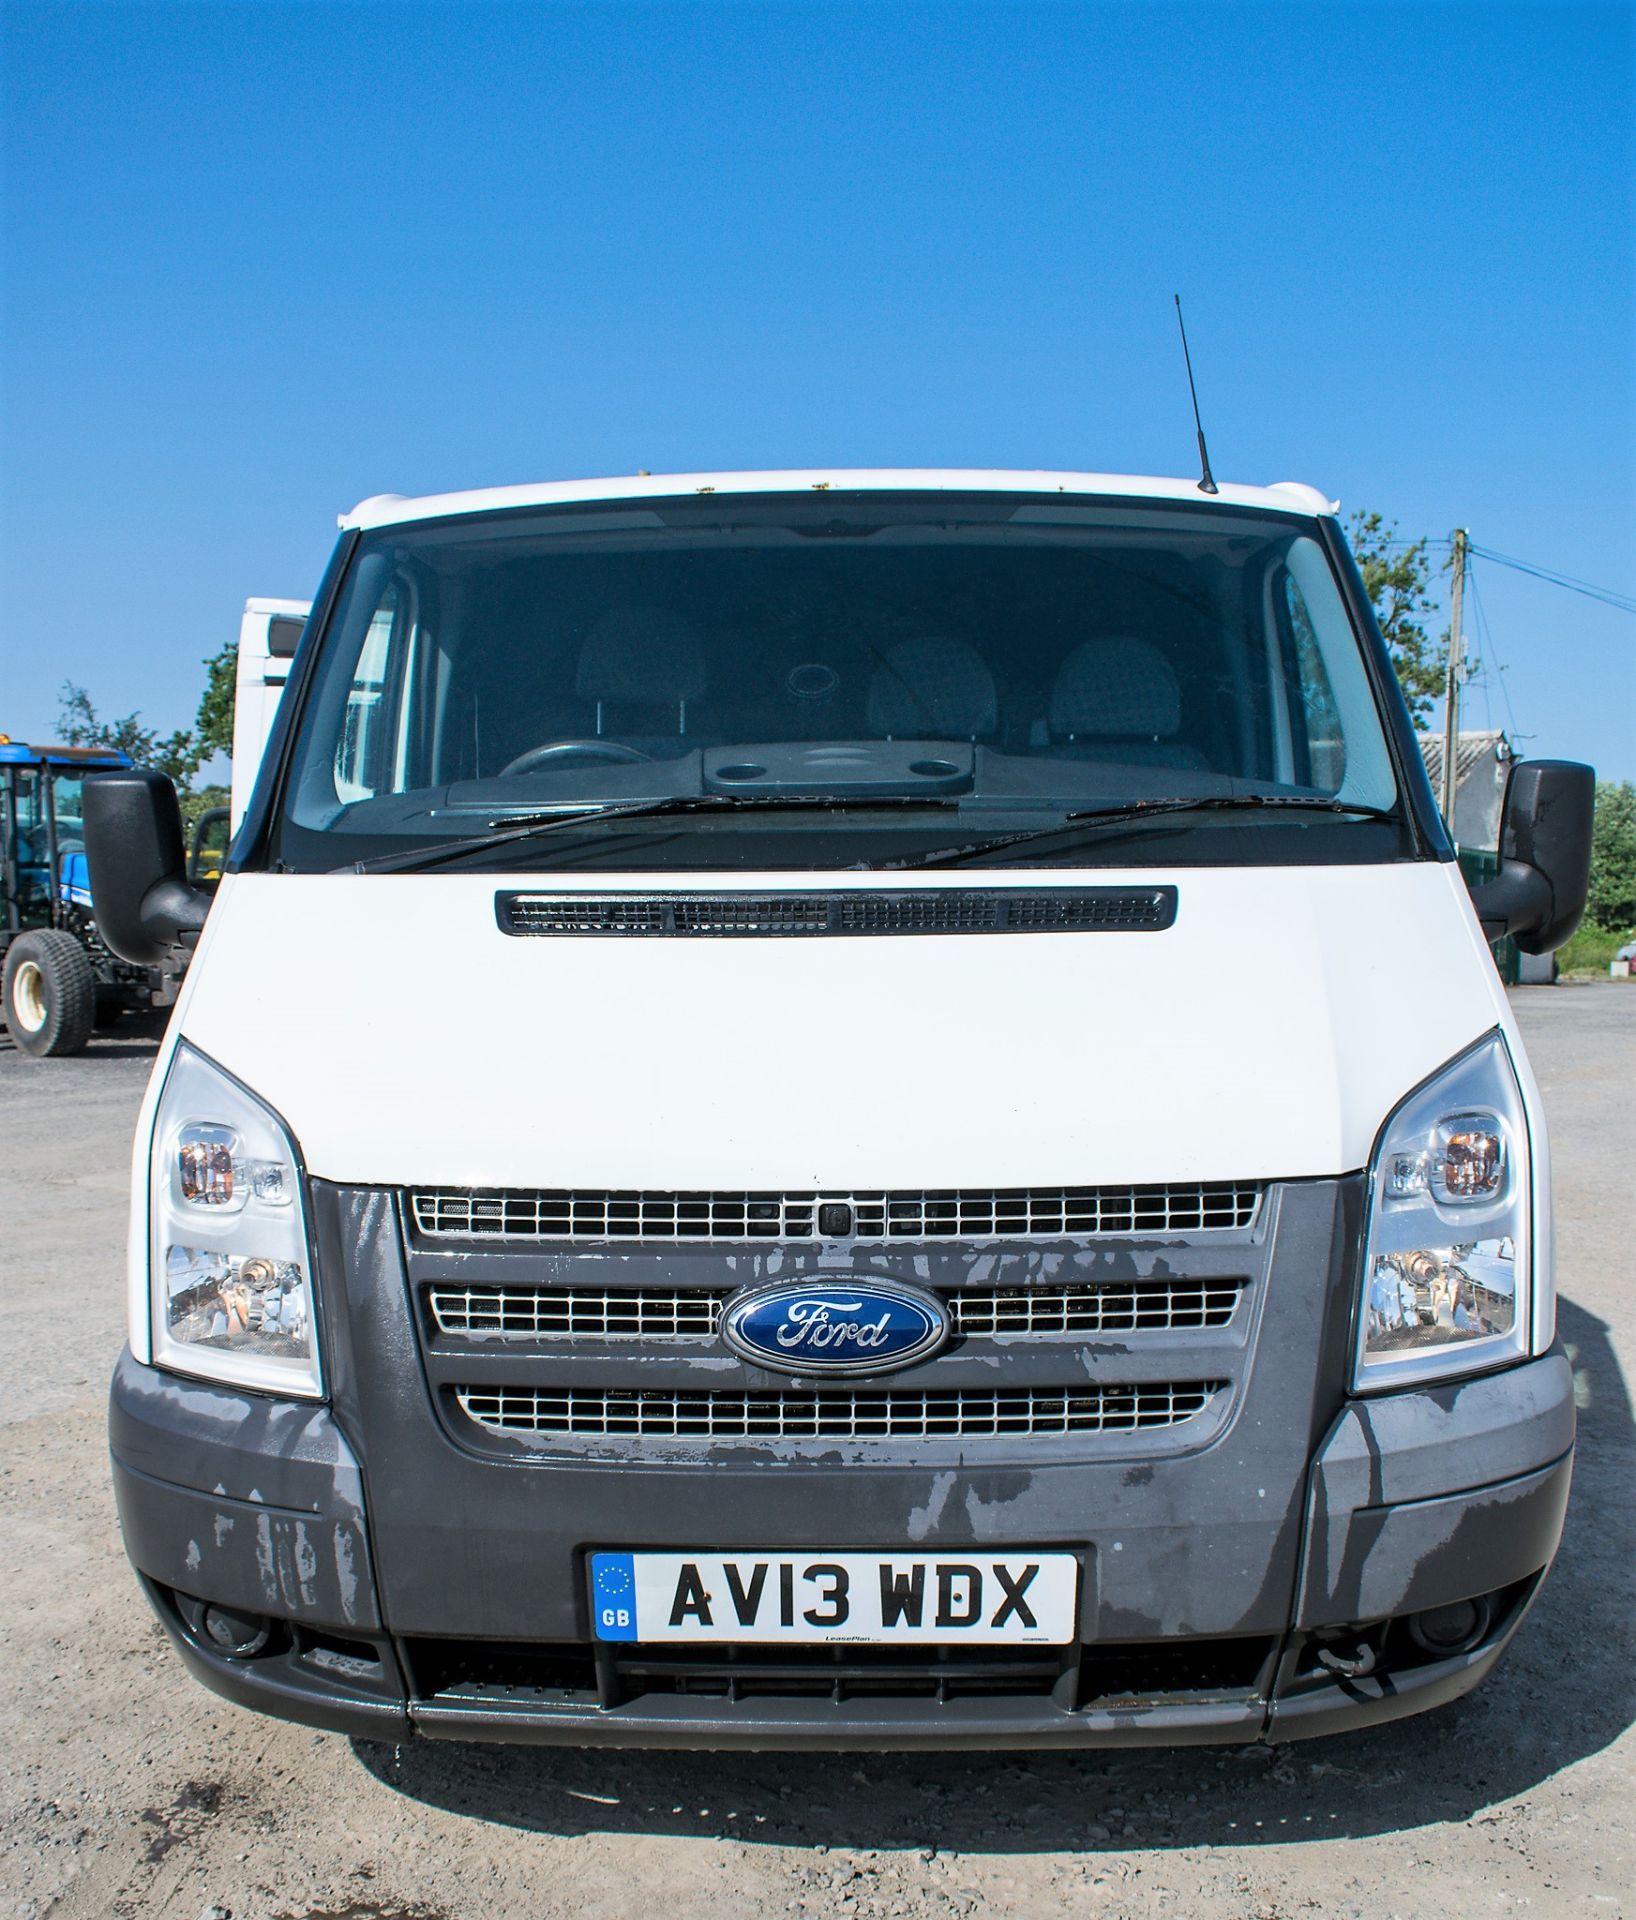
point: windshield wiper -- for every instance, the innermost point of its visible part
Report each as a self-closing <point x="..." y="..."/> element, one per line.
<point x="1089" y="819"/>
<point x="506" y="828"/>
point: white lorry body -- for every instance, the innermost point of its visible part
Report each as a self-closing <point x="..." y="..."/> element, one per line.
<point x="268" y="634"/>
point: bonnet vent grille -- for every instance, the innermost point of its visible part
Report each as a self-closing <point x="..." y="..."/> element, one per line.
<point x="922" y="910"/>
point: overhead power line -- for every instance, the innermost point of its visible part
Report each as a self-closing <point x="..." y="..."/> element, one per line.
<point x="1491" y="652"/>
<point x="1607" y="595"/>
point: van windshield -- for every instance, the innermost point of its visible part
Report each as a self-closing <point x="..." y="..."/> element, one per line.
<point x="833" y="680"/>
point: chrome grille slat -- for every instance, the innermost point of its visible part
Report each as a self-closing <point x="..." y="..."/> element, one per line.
<point x="1162" y="1308"/>
<point x="545" y="1313"/>
<point x="835" y="1414"/>
<point x="981" y="1213"/>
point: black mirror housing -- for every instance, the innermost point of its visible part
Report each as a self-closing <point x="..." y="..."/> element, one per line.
<point x="1539" y="894"/>
<point x="143" y="901"/>
<point x="198" y="852"/>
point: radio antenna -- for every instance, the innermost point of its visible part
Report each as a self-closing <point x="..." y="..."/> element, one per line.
<point x="1208" y="483"/>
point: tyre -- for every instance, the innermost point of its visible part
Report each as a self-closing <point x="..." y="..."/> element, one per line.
<point x="50" y="993"/>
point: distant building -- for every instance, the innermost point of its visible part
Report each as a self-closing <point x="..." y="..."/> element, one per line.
<point x="1482" y="765"/>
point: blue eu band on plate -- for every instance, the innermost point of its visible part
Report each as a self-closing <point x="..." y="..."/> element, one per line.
<point x="1020" y="1598"/>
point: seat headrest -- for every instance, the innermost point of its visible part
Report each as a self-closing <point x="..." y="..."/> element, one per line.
<point x="1116" y="688"/>
<point x="939" y="688"/>
<point x="641" y="653"/>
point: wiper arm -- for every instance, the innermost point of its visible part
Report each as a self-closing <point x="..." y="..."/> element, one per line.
<point x="1088" y="819"/>
<point x="506" y="828"/>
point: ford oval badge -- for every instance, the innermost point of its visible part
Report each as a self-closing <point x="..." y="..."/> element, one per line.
<point x="844" y="1324"/>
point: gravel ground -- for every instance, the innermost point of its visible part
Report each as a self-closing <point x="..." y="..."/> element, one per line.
<point x="128" y="1790"/>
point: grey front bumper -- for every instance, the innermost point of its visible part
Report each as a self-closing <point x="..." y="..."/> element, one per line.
<point x="1413" y="1501"/>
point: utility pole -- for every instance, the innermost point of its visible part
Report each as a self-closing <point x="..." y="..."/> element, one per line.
<point x="1451" y="703"/>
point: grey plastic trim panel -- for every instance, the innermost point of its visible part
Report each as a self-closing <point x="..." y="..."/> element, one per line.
<point x="1380" y="1561"/>
<point x="1345" y="1706"/>
<point x="245" y="1446"/>
<point x="477" y="1536"/>
<point x="890" y="1725"/>
<point x="881" y="1726"/>
<point x="1395" y="1447"/>
<point x="264" y="1690"/>
<point x="308" y="1567"/>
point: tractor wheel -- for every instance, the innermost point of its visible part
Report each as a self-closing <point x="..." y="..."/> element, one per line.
<point x="50" y="993"/>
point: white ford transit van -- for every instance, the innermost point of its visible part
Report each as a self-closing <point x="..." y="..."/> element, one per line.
<point x="841" y="1109"/>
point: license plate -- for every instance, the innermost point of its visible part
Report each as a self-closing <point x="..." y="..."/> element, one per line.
<point x="983" y="1599"/>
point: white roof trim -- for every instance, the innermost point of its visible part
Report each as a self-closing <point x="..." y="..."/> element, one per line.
<point x="389" y="509"/>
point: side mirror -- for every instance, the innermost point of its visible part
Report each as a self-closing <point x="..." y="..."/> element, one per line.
<point x="144" y="903"/>
<point x="208" y="854"/>
<point x="1538" y="896"/>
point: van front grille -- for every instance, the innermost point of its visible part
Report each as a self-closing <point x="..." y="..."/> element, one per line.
<point x="835" y="1414"/>
<point x="578" y="1313"/>
<point x="1166" y="1307"/>
<point x="956" y="1213"/>
<point x="562" y="1313"/>
<point x="813" y="914"/>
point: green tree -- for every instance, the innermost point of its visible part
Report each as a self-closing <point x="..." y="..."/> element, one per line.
<point x="1397" y="578"/>
<point x="179" y="754"/>
<point x="1612" y="902"/>
<point x="214" y="725"/>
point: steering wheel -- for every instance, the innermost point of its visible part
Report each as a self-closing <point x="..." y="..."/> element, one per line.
<point x="567" y="749"/>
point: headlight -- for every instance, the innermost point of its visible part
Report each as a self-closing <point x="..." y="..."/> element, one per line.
<point x="1448" y="1274"/>
<point x="230" y="1274"/>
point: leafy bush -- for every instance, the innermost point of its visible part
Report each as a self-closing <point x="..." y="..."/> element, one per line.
<point x="1589" y="951"/>
<point x="1612" y="903"/>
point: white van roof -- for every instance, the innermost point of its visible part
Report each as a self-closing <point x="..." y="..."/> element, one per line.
<point x="388" y="509"/>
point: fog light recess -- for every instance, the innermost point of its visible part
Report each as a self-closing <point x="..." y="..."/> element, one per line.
<point x="225" y="1630"/>
<point x="1452" y="1629"/>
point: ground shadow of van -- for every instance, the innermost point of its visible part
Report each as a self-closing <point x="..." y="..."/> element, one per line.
<point x="1565" y="1691"/>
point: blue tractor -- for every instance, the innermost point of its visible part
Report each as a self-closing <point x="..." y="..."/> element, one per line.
<point x="59" y="979"/>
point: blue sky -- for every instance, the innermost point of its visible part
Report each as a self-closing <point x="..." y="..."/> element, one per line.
<point x="261" y="260"/>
